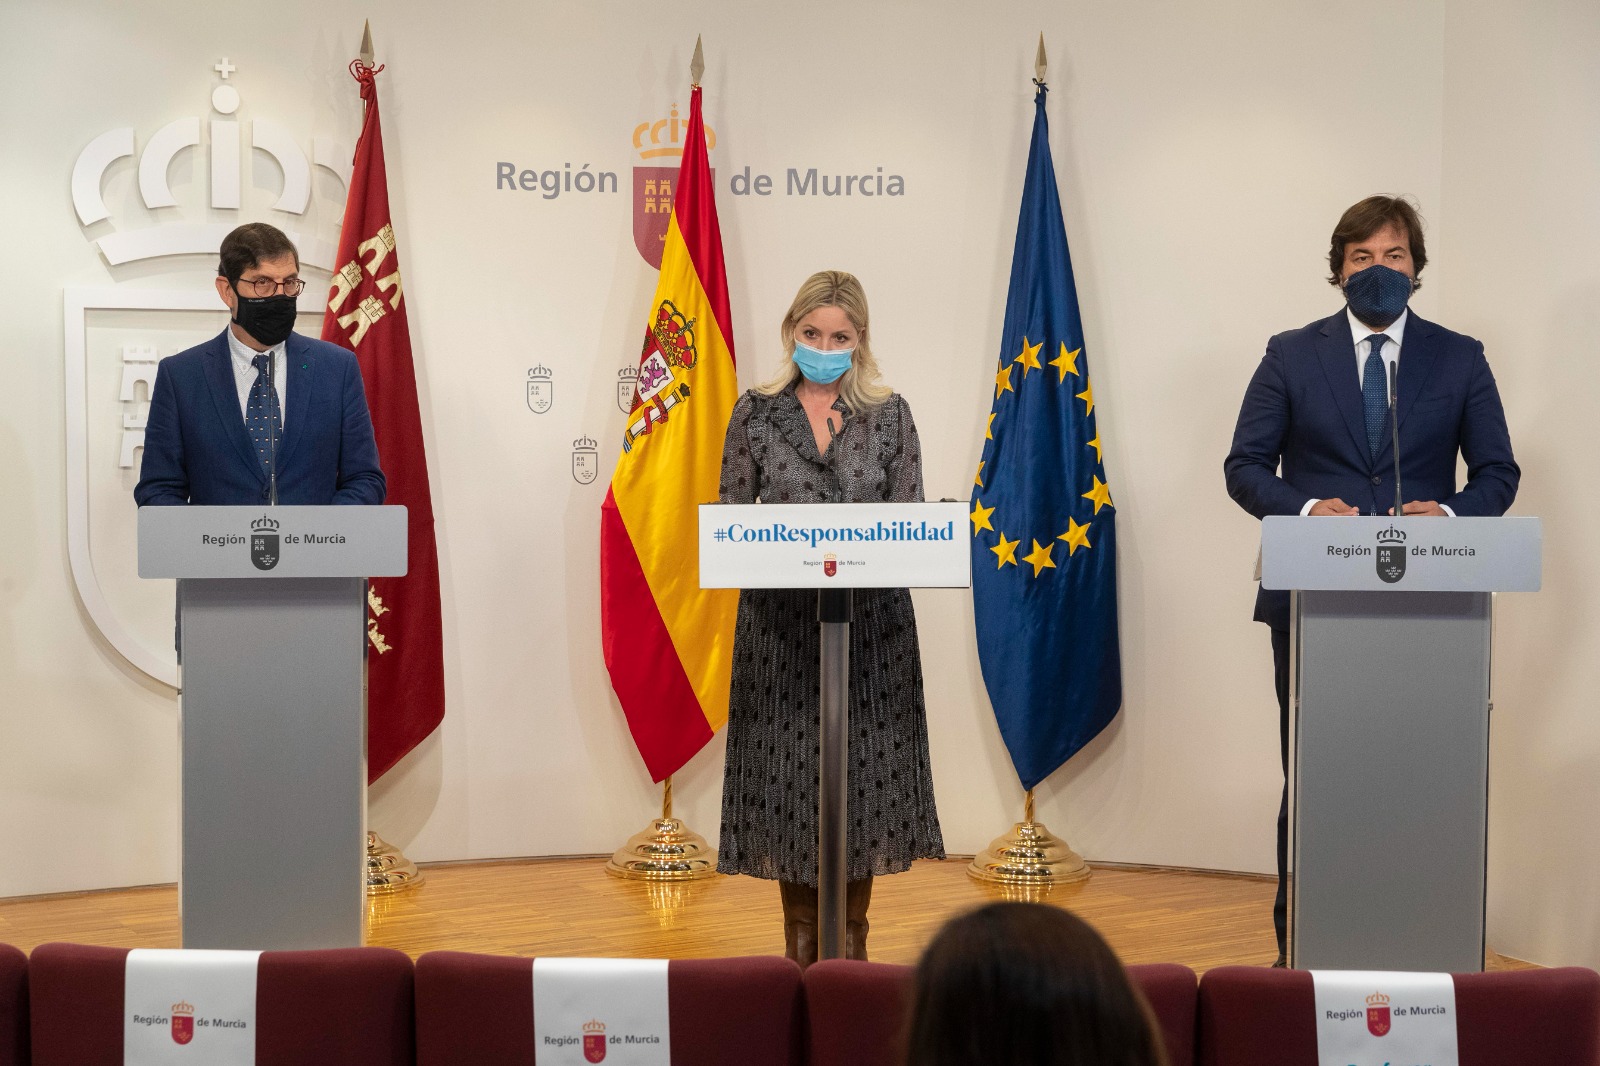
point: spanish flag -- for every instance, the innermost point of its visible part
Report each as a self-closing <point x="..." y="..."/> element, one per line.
<point x="668" y="643"/>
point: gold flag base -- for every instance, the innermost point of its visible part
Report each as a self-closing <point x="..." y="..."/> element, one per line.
<point x="666" y="850"/>
<point x="1029" y="855"/>
<point x="388" y="870"/>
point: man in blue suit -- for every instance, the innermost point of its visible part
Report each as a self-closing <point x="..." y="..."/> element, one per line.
<point x="1318" y="405"/>
<point x="259" y="410"/>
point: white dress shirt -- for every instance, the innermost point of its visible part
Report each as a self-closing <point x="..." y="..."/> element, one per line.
<point x="244" y="374"/>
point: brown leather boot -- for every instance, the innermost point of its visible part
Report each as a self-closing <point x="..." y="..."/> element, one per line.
<point x="857" y="894"/>
<point x="799" y="922"/>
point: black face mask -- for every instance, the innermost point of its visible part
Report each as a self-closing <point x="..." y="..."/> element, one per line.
<point x="269" y="319"/>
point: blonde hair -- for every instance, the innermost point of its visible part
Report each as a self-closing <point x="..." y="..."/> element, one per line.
<point x="859" y="388"/>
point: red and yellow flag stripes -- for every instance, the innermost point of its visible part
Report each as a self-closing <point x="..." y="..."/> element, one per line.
<point x="668" y="643"/>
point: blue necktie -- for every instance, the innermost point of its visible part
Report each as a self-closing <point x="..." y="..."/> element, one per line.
<point x="1375" y="392"/>
<point x="262" y="417"/>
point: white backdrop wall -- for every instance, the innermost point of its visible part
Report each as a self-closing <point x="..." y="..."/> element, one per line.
<point x="1204" y="151"/>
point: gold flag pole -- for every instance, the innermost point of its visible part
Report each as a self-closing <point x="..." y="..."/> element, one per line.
<point x="387" y="868"/>
<point x="1029" y="855"/>
<point x="665" y="850"/>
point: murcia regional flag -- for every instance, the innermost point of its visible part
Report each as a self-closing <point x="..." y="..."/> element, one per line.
<point x="668" y="643"/>
<point x="367" y="314"/>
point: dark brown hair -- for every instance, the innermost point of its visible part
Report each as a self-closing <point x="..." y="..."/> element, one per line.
<point x="1369" y="216"/>
<point x="1026" y="983"/>
<point x="248" y="245"/>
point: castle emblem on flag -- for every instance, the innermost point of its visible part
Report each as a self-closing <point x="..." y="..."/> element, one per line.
<point x="1378" y="1014"/>
<point x="1391" y="555"/>
<point x="594" y="1041"/>
<point x="182" y="1023"/>
<point x="264" y="543"/>
<point x="585" y="460"/>
<point x="654" y="186"/>
<point x="540" y="389"/>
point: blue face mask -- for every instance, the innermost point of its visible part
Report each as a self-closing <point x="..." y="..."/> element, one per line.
<point x="1377" y="295"/>
<point x="824" y="368"/>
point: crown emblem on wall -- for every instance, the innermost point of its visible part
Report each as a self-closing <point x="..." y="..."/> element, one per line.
<point x="264" y="525"/>
<point x="540" y="372"/>
<point x="663" y="138"/>
<point x="629" y="373"/>
<point x="226" y="152"/>
<point x="1391" y="536"/>
<point x="584" y="444"/>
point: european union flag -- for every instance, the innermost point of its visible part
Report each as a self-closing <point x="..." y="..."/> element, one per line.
<point x="1044" y="540"/>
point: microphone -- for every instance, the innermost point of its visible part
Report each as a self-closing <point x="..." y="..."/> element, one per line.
<point x="1394" y="429"/>
<point x="272" y="433"/>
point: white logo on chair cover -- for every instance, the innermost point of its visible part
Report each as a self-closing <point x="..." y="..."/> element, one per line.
<point x="601" y="1010"/>
<point x="1379" y="1018"/>
<point x="189" y="1007"/>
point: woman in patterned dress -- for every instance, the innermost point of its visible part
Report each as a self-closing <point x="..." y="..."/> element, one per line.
<point x="824" y="430"/>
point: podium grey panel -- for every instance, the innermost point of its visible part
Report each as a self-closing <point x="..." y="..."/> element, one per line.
<point x="274" y="763"/>
<point x="1390" y="780"/>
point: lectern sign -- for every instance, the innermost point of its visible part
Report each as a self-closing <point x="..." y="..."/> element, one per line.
<point x="1412" y="554"/>
<point x="841" y="545"/>
<point x="272" y="542"/>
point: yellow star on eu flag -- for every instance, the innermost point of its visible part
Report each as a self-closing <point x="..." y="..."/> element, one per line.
<point x="1087" y="396"/>
<point x="1095" y="444"/>
<point x="980" y="517"/>
<point x="1100" y="494"/>
<point x="1066" y="362"/>
<point x="988" y="432"/>
<point x="1040" y="557"/>
<point x="1006" y="550"/>
<point x="978" y="481"/>
<point x="1002" y="382"/>
<point x="1076" y="537"/>
<point x="1029" y="357"/>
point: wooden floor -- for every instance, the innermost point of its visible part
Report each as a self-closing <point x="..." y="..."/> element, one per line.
<point x="571" y="907"/>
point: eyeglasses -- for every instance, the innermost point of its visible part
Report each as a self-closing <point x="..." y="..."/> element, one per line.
<point x="261" y="287"/>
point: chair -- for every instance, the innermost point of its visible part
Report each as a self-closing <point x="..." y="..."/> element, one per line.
<point x="1252" y="1014"/>
<point x="13" y="1007"/>
<point x="340" y="1005"/>
<point x="857" y="1010"/>
<point x="473" y="1009"/>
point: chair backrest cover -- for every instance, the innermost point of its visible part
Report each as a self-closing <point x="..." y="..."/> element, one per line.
<point x="858" y="1011"/>
<point x="13" y="1007"/>
<point x="474" y="1009"/>
<point x="1251" y="1014"/>
<point x="337" y="1005"/>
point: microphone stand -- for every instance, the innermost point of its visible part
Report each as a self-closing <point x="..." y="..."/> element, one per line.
<point x="834" y="609"/>
<point x="272" y="432"/>
<point x="1394" y="429"/>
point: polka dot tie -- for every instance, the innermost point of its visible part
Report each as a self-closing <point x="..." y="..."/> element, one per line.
<point x="262" y="416"/>
<point x="1374" y="392"/>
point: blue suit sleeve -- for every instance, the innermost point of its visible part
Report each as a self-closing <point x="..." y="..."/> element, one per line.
<point x="1251" y="469"/>
<point x="361" y="479"/>
<point x="163" y="478"/>
<point x="1492" y="471"/>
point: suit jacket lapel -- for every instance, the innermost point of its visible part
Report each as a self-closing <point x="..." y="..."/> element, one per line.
<point x="1418" y="355"/>
<point x="1336" y="351"/>
<point x="301" y="368"/>
<point x="225" y="394"/>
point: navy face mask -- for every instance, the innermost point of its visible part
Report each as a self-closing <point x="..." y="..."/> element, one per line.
<point x="1377" y="295"/>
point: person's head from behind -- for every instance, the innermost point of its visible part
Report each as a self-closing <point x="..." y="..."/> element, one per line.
<point x="1026" y="983"/>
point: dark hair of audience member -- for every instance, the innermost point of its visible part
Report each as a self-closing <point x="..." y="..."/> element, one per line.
<point x="1025" y="983"/>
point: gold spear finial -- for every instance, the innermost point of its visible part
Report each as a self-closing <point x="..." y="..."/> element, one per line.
<point x="697" y="65"/>
<point x="1040" y="64"/>
<point x="367" y="53"/>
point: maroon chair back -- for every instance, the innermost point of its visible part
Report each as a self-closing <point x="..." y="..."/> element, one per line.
<point x="474" y="1009"/>
<point x="857" y="1011"/>
<point x="13" y="1007"/>
<point x="340" y="1005"/>
<point x="1252" y="1014"/>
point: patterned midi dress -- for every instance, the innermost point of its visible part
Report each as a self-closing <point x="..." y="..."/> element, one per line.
<point x="769" y="789"/>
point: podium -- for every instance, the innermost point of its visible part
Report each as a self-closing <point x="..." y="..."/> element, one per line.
<point x="272" y="703"/>
<point x="1391" y="643"/>
<point x="834" y="548"/>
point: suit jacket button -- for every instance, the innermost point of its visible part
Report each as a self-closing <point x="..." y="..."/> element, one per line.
<point x="1377" y="481"/>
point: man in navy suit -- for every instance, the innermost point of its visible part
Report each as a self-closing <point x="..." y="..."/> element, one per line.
<point x="1318" y="404"/>
<point x="259" y="408"/>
